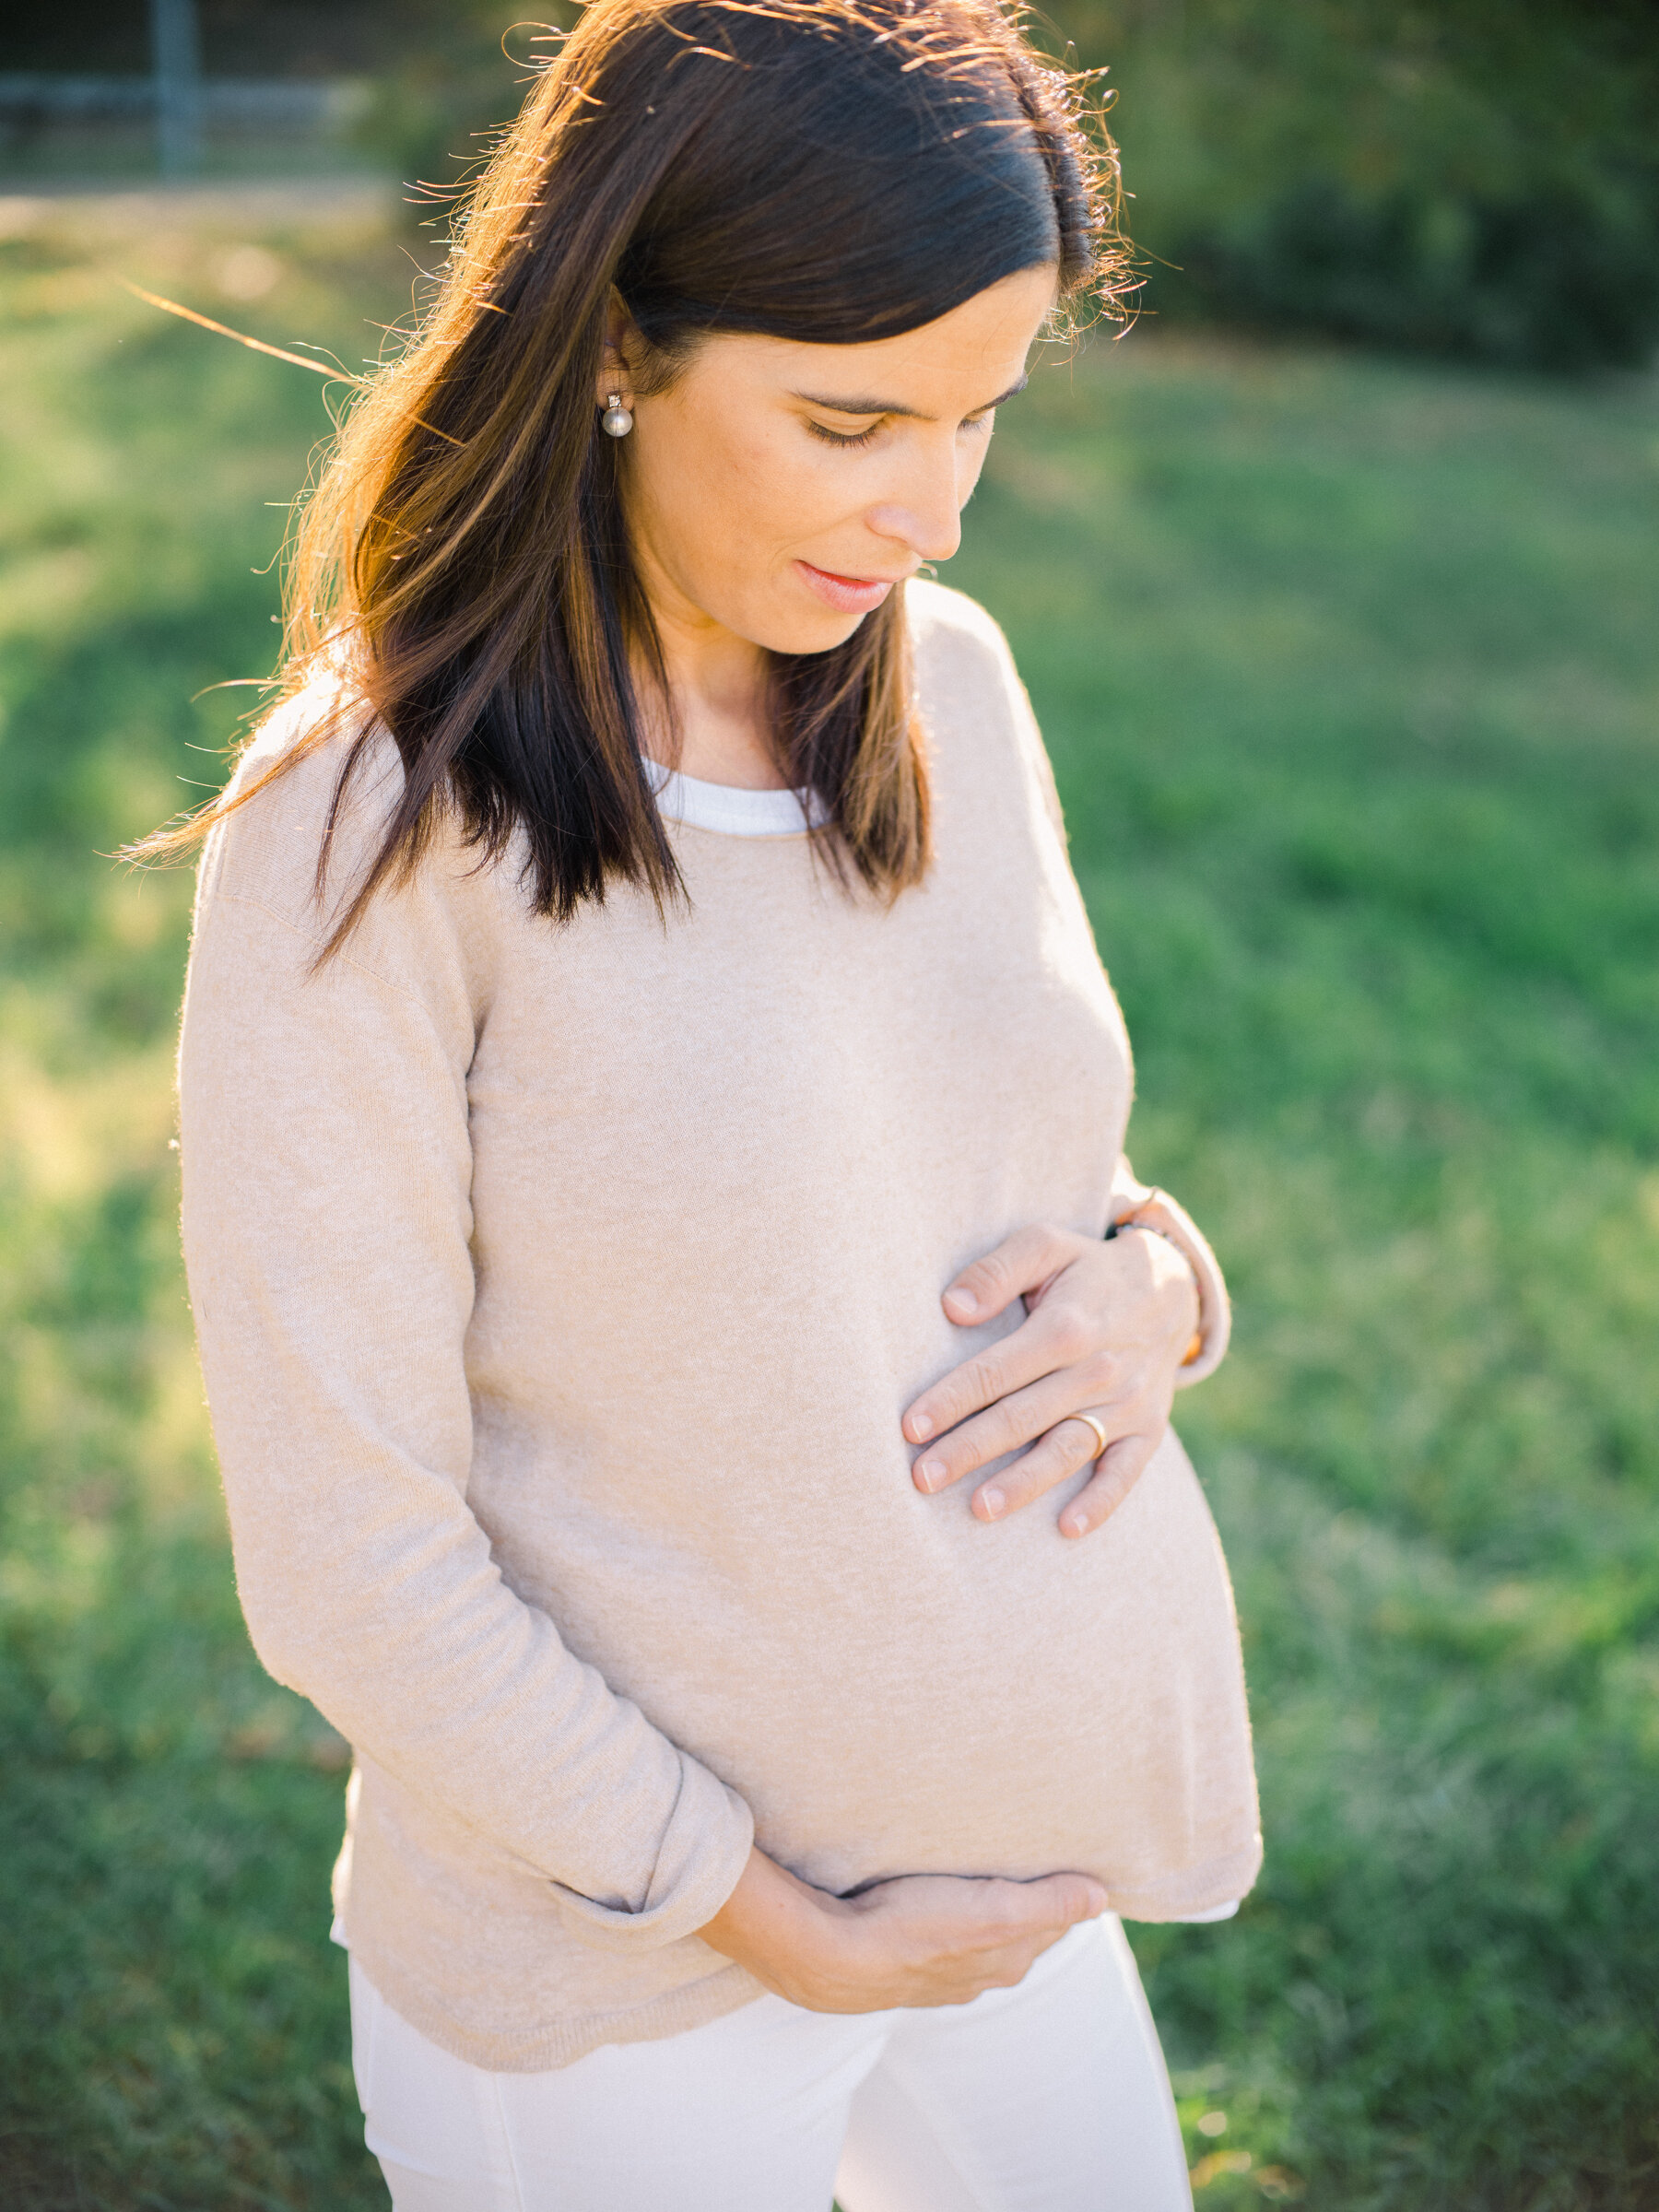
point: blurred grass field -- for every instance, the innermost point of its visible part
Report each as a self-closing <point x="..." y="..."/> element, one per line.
<point x="1351" y="673"/>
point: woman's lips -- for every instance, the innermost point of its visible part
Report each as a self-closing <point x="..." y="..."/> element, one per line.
<point x="847" y="594"/>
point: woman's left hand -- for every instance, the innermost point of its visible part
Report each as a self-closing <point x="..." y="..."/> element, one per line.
<point x="1108" y="1325"/>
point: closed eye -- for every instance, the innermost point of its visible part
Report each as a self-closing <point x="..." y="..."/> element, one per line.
<point x="856" y="438"/>
<point x="843" y="437"/>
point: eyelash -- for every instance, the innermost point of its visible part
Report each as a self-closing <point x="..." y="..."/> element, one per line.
<point x="846" y="439"/>
<point x="841" y="438"/>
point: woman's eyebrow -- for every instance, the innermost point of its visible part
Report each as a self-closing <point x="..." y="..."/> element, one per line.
<point x="887" y="407"/>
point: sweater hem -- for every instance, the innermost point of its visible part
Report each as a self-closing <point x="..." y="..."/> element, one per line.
<point x="1217" y="1881"/>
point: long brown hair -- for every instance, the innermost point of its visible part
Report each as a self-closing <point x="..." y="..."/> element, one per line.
<point x="826" y="170"/>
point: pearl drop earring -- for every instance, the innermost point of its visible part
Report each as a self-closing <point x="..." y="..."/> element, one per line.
<point x="616" y="421"/>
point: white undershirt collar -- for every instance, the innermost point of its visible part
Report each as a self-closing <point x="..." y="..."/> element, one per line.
<point x="732" y="810"/>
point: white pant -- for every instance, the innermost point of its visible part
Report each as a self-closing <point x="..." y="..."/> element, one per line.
<point x="1048" y="2097"/>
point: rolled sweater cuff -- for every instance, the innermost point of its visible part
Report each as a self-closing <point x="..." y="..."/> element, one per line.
<point x="705" y="1850"/>
<point x="1171" y="1219"/>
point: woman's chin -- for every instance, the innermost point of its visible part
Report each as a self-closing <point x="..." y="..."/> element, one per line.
<point x="811" y="629"/>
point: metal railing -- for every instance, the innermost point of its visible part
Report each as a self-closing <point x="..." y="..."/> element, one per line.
<point x="180" y="103"/>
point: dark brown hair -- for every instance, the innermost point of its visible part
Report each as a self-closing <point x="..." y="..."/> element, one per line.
<point x="826" y="170"/>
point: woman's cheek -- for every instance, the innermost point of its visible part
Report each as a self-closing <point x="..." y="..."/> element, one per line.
<point x="967" y="471"/>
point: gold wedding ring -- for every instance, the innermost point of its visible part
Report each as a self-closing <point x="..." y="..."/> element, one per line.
<point x="1099" y="1432"/>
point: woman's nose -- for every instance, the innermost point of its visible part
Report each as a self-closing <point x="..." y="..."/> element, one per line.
<point x="926" y="514"/>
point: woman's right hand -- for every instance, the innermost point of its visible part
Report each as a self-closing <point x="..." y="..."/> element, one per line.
<point x="922" y="1939"/>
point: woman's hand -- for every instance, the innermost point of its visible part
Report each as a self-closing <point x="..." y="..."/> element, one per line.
<point x="1108" y="1326"/>
<point x="924" y="1939"/>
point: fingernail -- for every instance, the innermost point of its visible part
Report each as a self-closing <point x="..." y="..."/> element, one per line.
<point x="964" y="1300"/>
<point x="1076" y="1524"/>
<point x="921" y="1427"/>
<point x="930" y="1474"/>
<point x="990" y="1502"/>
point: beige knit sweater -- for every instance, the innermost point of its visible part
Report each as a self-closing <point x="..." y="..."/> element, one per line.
<point x="559" y="1294"/>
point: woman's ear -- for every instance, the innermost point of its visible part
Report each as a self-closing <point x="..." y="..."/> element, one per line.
<point x="622" y="345"/>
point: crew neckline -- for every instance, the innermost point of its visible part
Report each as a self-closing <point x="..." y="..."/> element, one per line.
<point x="730" y="809"/>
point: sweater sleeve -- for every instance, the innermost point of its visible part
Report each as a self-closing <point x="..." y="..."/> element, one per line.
<point x="326" y="1219"/>
<point x="1128" y="1194"/>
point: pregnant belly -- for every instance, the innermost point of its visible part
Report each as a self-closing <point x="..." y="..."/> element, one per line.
<point x="934" y="1695"/>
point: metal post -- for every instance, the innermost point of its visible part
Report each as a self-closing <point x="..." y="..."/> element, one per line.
<point x="176" y="50"/>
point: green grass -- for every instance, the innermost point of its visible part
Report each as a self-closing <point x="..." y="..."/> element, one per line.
<point x="1350" y="676"/>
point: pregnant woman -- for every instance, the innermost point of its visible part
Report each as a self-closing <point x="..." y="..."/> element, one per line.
<point x="689" y="1360"/>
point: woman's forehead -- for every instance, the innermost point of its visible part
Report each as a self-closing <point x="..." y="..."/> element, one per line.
<point x="974" y="356"/>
